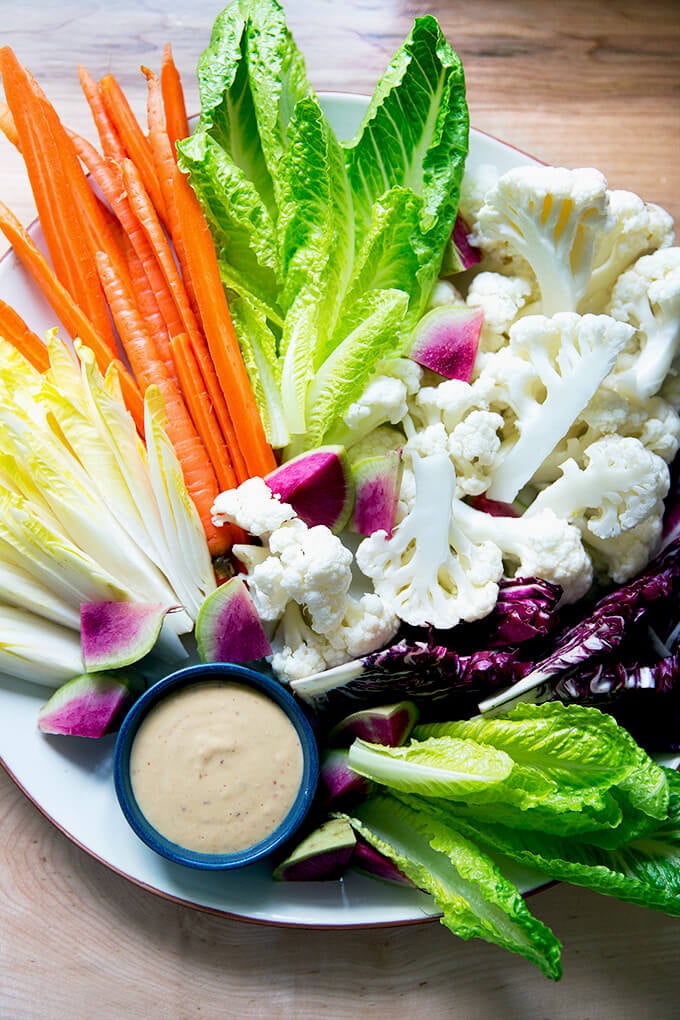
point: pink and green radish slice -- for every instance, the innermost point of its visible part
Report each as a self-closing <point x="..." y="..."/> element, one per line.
<point x="446" y="340"/>
<point x="376" y="492"/>
<point x="339" y="785"/>
<point x="374" y="863"/>
<point x="390" y="725"/>
<point x="459" y="254"/>
<point x="90" y="705"/>
<point x="116" y="634"/>
<point x="323" y="855"/>
<point x="318" y="485"/>
<point x="228" y="628"/>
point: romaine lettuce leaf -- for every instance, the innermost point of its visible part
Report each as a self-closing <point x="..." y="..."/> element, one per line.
<point x="644" y="870"/>
<point x="475" y="898"/>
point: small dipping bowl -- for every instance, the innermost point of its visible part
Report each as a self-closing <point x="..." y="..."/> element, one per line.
<point x="220" y="674"/>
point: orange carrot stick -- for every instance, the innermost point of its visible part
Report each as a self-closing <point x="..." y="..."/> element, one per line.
<point x="72" y="317"/>
<point x="133" y="138"/>
<point x="110" y="142"/>
<point x="16" y="331"/>
<point x="7" y="125"/>
<point x="218" y="328"/>
<point x="149" y="370"/>
<point x="67" y="208"/>
<point x="201" y="410"/>
<point x="173" y="98"/>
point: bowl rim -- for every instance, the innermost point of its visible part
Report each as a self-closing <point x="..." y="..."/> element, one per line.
<point x="196" y="675"/>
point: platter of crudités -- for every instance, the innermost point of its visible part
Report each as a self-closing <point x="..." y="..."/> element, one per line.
<point x="338" y="391"/>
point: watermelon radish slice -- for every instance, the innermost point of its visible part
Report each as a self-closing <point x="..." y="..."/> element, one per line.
<point x="323" y="855"/>
<point x="460" y="254"/>
<point x="446" y="339"/>
<point x="376" y="484"/>
<point x="318" y="485"/>
<point x="90" y="705"/>
<point x="116" y="634"/>
<point x="339" y="785"/>
<point x="385" y="724"/>
<point x="228" y="628"/>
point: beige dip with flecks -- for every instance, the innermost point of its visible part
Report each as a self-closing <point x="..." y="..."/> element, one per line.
<point x="216" y="767"/>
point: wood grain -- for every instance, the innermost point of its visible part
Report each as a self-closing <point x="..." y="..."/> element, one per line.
<point x="576" y="83"/>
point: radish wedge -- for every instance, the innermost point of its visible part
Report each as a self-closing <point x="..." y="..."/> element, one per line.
<point x="116" y="634"/>
<point x="318" y="485"/>
<point x="446" y="339"/>
<point x="376" y="485"/>
<point x="87" y="706"/>
<point x="323" y="855"/>
<point x="228" y="628"/>
<point x="390" y="725"/>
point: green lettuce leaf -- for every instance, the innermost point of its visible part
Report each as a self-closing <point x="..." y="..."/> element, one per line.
<point x="643" y="870"/>
<point x="584" y="751"/>
<point x="474" y="897"/>
<point x="439" y="766"/>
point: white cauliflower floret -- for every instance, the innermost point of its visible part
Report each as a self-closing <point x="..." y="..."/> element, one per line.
<point x="648" y="297"/>
<point x="549" y="372"/>
<point x="501" y="298"/>
<point x="542" y="546"/>
<point x="367" y="624"/>
<point x="428" y="572"/>
<point x="623" y="556"/>
<point x="253" y="507"/>
<point x="621" y="485"/>
<point x="469" y="434"/>
<point x="443" y="293"/>
<point x="297" y="651"/>
<point x="384" y="400"/>
<point x="316" y="570"/>
<point x="634" y="228"/>
<point x="653" y="422"/>
<point x="551" y="217"/>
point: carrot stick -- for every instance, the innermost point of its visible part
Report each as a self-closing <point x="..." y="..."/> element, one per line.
<point x="133" y="138"/>
<point x="111" y="145"/>
<point x="173" y="99"/>
<point x="16" y="331"/>
<point x="201" y="410"/>
<point x="72" y="317"/>
<point x="69" y="213"/>
<point x="204" y="271"/>
<point x="148" y="368"/>
<point x="147" y="301"/>
<point x="7" y="125"/>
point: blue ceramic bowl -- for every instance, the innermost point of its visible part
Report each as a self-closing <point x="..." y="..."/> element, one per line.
<point x="191" y="675"/>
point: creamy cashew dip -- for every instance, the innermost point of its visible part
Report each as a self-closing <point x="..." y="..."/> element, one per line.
<point x="216" y="766"/>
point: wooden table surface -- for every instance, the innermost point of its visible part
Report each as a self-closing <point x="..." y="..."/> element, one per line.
<point x="577" y="83"/>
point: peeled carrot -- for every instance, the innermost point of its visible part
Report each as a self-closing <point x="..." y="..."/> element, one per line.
<point x="197" y="469"/>
<point x="110" y="142"/>
<point x="204" y="271"/>
<point x="16" y="331"/>
<point x="173" y="99"/>
<point x="7" y="125"/>
<point x="74" y="320"/>
<point x="67" y="208"/>
<point x="133" y="138"/>
<point x="201" y="410"/>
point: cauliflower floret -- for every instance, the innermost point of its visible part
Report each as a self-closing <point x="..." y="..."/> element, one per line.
<point x="384" y="400"/>
<point x="368" y="623"/>
<point x="551" y="217"/>
<point x="634" y="228"/>
<point x="648" y="297"/>
<point x="621" y="485"/>
<point x="653" y="422"/>
<point x="316" y="570"/>
<point x="549" y="372"/>
<point x="252" y="506"/>
<point x="623" y="556"/>
<point x="501" y="298"/>
<point x="297" y="651"/>
<point x="428" y="572"/>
